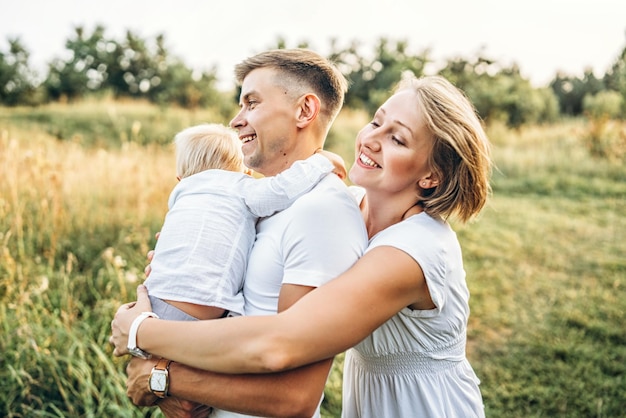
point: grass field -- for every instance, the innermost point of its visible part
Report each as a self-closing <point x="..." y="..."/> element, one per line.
<point x="82" y="191"/>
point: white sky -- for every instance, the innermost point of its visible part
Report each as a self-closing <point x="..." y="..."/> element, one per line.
<point x="541" y="36"/>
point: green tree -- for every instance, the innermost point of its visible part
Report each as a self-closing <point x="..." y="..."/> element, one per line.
<point x="371" y="80"/>
<point x="138" y="68"/>
<point x="17" y="80"/>
<point x="571" y="91"/>
<point x="85" y="70"/>
<point x="606" y="103"/>
<point x="615" y="78"/>
<point x="134" y="67"/>
<point x="501" y="93"/>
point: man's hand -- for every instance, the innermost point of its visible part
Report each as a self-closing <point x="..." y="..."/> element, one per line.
<point x="138" y="391"/>
<point x="126" y="314"/>
<point x="180" y="408"/>
<point x="138" y="375"/>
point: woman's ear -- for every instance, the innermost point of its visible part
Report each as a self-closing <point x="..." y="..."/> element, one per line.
<point x="308" y="109"/>
<point x="428" y="182"/>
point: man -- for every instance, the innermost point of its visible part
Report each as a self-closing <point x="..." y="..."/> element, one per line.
<point x="289" y="99"/>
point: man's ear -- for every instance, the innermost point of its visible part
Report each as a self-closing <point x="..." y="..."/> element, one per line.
<point x="309" y="107"/>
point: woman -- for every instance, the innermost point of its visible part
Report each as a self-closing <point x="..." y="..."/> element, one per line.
<point x="403" y="306"/>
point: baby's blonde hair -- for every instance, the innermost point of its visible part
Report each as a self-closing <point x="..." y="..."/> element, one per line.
<point x="207" y="146"/>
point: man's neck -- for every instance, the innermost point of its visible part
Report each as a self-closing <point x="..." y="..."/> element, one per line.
<point x="296" y="154"/>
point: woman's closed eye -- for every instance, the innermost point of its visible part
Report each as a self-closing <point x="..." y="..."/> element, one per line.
<point x="396" y="140"/>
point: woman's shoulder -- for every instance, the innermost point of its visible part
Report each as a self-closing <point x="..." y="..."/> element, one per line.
<point x="420" y="235"/>
<point x="421" y="224"/>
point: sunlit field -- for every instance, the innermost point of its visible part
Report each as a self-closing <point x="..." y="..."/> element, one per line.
<point x="83" y="189"/>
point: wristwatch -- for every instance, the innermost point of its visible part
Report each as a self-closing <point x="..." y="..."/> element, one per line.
<point x="132" y="336"/>
<point x="160" y="378"/>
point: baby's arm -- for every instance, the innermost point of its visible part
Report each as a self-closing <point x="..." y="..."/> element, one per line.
<point x="338" y="162"/>
<point x="269" y="195"/>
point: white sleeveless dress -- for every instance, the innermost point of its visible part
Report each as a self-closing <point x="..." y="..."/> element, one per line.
<point x="414" y="365"/>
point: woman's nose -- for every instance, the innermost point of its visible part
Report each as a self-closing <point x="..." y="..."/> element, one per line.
<point x="371" y="141"/>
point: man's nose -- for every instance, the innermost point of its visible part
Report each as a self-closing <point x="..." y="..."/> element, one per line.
<point x="237" y="121"/>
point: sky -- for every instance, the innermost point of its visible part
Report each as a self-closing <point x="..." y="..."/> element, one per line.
<point x="540" y="36"/>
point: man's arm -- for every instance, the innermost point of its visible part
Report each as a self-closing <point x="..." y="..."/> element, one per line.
<point x="294" y="393"/>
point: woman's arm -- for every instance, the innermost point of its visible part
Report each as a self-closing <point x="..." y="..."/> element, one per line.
<point x="325" y="322"/>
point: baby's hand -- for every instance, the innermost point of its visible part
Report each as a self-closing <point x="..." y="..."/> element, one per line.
<point x="340" y="165"/>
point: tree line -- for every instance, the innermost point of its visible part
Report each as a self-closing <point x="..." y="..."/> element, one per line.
<point x="134" y="67"/>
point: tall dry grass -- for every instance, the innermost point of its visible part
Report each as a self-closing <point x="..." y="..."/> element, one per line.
<point x="75" y="225"/>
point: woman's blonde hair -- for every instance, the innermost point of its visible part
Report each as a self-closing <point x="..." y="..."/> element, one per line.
<point x="461" y="155"/>
<point x="207" y="146"/>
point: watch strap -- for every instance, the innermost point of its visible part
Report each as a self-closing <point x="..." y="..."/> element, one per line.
<point x="132" y="335"/>
<point x="162" y="366"/>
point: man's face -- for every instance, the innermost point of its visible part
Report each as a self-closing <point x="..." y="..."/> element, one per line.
<point x="266" y="122"/>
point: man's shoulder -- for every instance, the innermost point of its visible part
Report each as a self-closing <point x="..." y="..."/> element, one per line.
<point x="329" y="196"/>
<point x="329" y="190"/>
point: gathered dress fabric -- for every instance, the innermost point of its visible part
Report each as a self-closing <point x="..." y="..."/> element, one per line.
<point x="415" y="364"/>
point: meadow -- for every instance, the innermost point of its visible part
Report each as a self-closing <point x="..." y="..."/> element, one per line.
<point x="83" y="189"/>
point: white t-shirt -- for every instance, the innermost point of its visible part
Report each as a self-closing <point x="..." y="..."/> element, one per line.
<point x="414" y="365"/>
<point x="202" y="252"/>
<point x="313" y="241"/>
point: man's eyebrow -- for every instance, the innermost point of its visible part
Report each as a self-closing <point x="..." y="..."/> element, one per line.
<point x="247" y="95"/>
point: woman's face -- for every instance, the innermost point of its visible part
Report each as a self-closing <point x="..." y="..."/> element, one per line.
<point x="393" y="149"/>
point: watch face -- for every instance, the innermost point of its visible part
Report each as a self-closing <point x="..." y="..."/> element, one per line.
<point x="158" y="381"/>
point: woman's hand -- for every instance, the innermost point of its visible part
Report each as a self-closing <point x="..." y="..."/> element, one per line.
<point x="123" y="319"/>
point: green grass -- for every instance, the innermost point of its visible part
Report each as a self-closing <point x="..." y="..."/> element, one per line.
<point x="548" y="304"/>
<point x="547" y="271"/>
<point x="107" y="123"/>
<point x="546" y="262"/>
